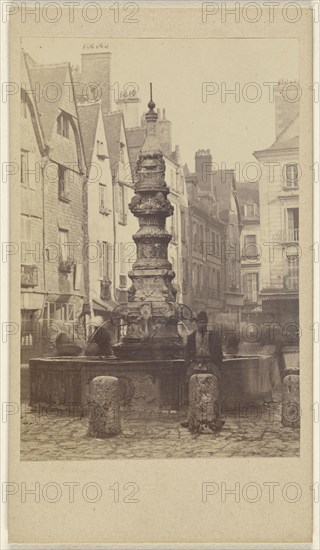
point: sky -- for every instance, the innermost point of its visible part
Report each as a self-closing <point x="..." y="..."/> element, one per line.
<point x="232" y="127"/>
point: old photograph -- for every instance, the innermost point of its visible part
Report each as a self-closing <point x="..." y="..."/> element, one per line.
<point x="158" y="384"/>
<point x="159" y="248"/>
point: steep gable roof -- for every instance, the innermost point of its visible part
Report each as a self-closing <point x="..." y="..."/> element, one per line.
<point x="28" y="97"/>
<point x="88" y="120"/>
<point x="248" y="191"/>
<point x="135" y="140"/>
<point x="42" y="76"/>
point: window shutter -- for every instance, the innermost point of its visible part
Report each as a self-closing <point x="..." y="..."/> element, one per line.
<point x="290" y="220"/>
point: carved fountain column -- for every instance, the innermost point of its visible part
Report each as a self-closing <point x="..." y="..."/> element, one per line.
<point x="151" y="314"/>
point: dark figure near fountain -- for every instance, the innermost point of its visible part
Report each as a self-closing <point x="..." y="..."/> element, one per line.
<point x="204" y="355"/>
<point x="99" y="343"/>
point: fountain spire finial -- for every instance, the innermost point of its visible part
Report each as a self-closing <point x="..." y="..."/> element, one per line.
<point x="151" y="103"/>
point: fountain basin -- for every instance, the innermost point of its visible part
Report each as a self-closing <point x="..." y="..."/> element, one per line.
<point x="143" y="384"/>
<point x="157" y="384"/>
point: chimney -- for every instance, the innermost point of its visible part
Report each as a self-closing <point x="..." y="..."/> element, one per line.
<point x="204" y="168"/>
<point x="177" y="154"/>
<point x="286" y="106"/>
<point x="130" y="105"/>
<point x="164" y="134"/>
<point x="95" y="69"/>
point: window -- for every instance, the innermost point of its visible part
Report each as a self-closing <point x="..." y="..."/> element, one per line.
<point x="201" y="281"/>
<point x="183" y="227"/>
<point x="293" y="275"/>
<point x="250" y="249"/>
<point x="105" y="260"/>
<point x="102" y="196"/>
<point x="250" y="209"/>
<point x="101" y="150"/>
<point x="122" y="205"/>
<point x="172" y="179"/>
<point x="194" y="274"/>
<point x="26" y="241"/>
<point x="63" y="244"/>
<point x="63" y="126"/>
<point x="233" y="274"/>
<point x="195" y="235"/>
<point x="173" y="228"/>
<point x="293" y="224"/>
<point x="28" y="170"/>
<point x="122" y="264"/>
<point x="208" y="277"/>
<point x="292" y="175"/>
<point x="63" y="186"/>
<point x="201" y="238"/>
<point x="250" y="286"/>
<point x="214" y="281"/>
<point x="218" y="284"/>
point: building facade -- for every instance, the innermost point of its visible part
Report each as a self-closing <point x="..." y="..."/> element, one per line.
<point x="206" y="233"/>
<point x="251" y="250"/>
<point x="33" y="267"/>
<point x="229" y="212"/>
<point x="62" y="224"/>
<point x="123" y="249"/>
<point x="279" y="218"/>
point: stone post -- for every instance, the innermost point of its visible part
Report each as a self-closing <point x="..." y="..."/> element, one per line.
<point x="291" y="399"/>
<point x="204" y="404"/>
<point x="104" y="410"/>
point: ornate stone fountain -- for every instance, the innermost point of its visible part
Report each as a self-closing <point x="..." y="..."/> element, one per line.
<point x="152" y="314"/>
<point x="149" y="357"/>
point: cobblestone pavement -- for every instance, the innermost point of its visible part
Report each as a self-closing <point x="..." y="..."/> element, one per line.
<point x="255" y="431"/>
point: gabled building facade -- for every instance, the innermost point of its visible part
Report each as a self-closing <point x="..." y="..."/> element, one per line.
<point x="63" y="174"/>
<point x="279" y="217"/>
<point x="33" y="266"/>
<point x="99" y="210"/>
<point x="123" y="249"/>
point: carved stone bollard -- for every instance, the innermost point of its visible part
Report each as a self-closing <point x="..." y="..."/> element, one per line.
<point x="291" y="399"/>
<point x="204" y="404"/>
<point x="104" y="410"/>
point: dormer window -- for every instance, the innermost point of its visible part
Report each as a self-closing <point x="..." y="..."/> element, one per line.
<point x="63" y="126"/>
<point x="101" y="149"/>
<point x="292" y="175"/>
<point x="250" y="210"/>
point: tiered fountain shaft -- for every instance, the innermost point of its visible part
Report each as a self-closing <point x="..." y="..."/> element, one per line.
<point x="151" y="315"/>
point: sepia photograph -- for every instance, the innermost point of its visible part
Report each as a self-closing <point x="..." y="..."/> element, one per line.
<point x="161" y="255"/>
<point x="159" y="252"/>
